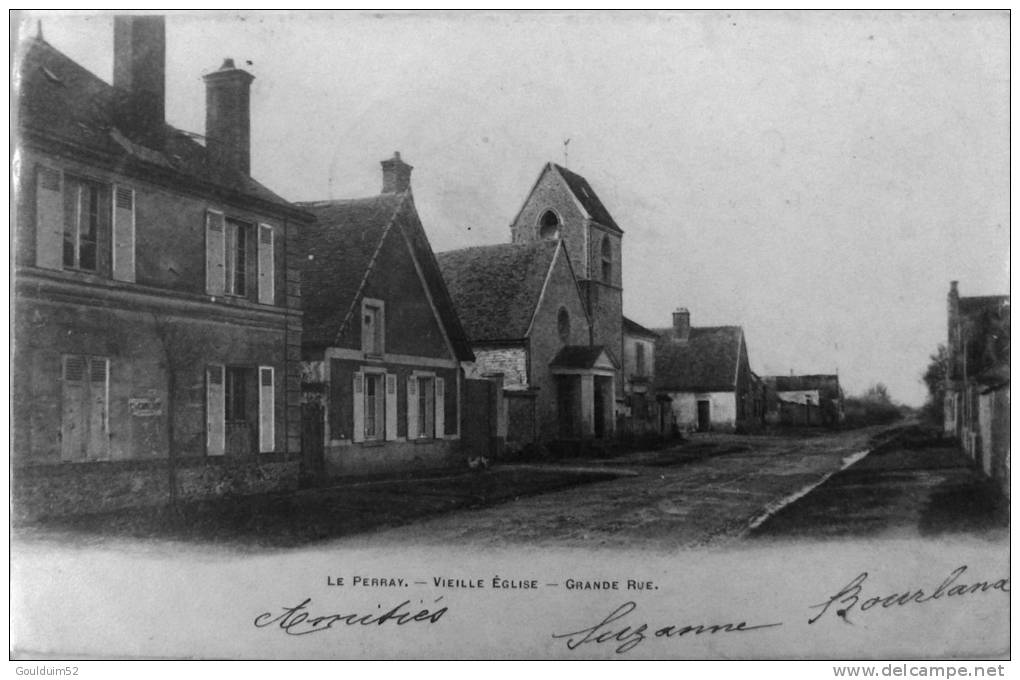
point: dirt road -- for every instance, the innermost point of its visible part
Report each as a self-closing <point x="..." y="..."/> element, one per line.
<point x="670" y="500"/>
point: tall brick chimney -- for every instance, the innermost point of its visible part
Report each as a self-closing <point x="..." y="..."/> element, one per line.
<point x="228" y="117"/>
<point x="396" y="175"/>
<point x="682" y="323"/>
<point x="139" y="74"/>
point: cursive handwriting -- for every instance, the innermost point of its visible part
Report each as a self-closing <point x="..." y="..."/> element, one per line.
<point x="298" y="621"/>
<point x="630" y="636"/>
<point x="850" y="596"/>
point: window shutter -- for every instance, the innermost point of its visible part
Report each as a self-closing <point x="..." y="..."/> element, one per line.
<point x="123" y="233"/>
<point x="440" y="408"/>
<point x="49" y="219"/>
<point x="358" y="433"/>
<point x="72" y="424"/>
<point x="412" y="408"/>
<point x="215" y="247"/>
<point x="215" y="427"/>
<point x="99" y="436"/>
<point x="267" y="410"/>
<point x="391" y="406"/>
<point x="266" y="269"/>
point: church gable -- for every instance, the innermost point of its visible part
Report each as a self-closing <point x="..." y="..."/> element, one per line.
<point x="552" y="211"/>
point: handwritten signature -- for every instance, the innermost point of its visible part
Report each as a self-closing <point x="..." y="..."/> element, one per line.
<point x="610" y="630"/>
<point x="298" y="621"/>
<point x="851" y="595"/>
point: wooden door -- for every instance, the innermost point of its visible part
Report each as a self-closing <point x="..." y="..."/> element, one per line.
<point x="704" y="416"/>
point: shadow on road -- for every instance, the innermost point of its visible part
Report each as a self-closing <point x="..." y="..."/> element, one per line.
<point x="916" y="483"/>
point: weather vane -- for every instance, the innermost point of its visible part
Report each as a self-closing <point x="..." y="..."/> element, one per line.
<point x="565" y="143"/>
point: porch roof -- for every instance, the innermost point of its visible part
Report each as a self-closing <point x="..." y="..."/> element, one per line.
<point x="583" y="357"/>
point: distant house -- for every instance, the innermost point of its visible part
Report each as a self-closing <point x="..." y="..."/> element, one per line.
<point x="706" y="373"/>
<point x="644" y="412"/>
<point x="157" y="315"/>
<point x="528" y="325"/>
<point x="803" y="399"/>
<point x="977" y="380"/>
<point x="383" y="346"/>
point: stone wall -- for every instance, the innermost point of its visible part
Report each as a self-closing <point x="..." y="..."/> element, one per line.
<point x="82" y="488"/>
<point x="510" y="361"/>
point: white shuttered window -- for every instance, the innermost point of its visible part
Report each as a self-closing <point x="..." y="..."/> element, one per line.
<point x="267" y="280"/>
<point x="215" y="411"/>
<point x="123" y="233"/>
<point x="215" y="248"/>
<point x="267" y="410"/>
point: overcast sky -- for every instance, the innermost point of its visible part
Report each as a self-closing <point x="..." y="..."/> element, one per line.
<point x="817" y="178"/>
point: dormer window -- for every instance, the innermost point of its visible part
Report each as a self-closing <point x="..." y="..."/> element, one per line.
<point x="549" y="225"/>
<point x="607" y="260"/>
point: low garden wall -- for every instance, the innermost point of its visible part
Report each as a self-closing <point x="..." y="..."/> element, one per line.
<point x="78" y="488"/>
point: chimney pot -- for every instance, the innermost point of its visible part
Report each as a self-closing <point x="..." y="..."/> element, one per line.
<point x="682" y="323"/>
<point x="228" y="117"/>
<point x="396" y="175"/>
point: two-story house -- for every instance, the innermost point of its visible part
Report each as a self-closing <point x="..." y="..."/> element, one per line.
<point x="157" y="306"/>
<point x="977" y="399"/>
<point x="646" y="410"/>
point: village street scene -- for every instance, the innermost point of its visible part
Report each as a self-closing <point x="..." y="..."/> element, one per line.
<point x="338" y="359"/>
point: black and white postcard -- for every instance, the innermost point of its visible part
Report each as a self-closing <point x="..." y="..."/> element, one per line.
<point x="511" y="335"/>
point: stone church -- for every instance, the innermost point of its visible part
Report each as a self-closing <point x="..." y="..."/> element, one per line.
<point x="544" y="313"/>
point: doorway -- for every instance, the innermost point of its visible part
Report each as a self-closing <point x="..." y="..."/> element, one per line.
<point x="566" y="392"/>
<point x="704" y="415"/>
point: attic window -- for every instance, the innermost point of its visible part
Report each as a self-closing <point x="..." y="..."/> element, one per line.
<point x="563" y="325"/>
<point x="549" y="225"/>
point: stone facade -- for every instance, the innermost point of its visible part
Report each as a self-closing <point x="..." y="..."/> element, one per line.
<point x="510" y="362"/>
<point x="68" y="489"/>
<point x="722" y="410"/>
<point x="132" y="331"/>
<point x="595" y="254"/>
<point x="161" y="318"/>
<point x="545" y="340"/>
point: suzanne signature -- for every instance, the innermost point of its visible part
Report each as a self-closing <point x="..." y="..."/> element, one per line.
<point x="612" y="630"/>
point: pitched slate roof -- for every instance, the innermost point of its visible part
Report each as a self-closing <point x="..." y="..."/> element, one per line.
<point x="706" y="362"/>
<point x="827" y="385"/>
<point x="62" y="102"/>
<point x="587" y="197"/>
<point x="496" y="288"/>
<point x="580" y="356"/>
<point x="634" y="328"/>
<point x="339" y="252"/>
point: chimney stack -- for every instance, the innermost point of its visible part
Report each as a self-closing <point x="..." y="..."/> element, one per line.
<point x="682" y="323"/>
<point x="139" y="74"/>
<point x="228" y="117"/>
<point x="396" y="175"/>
